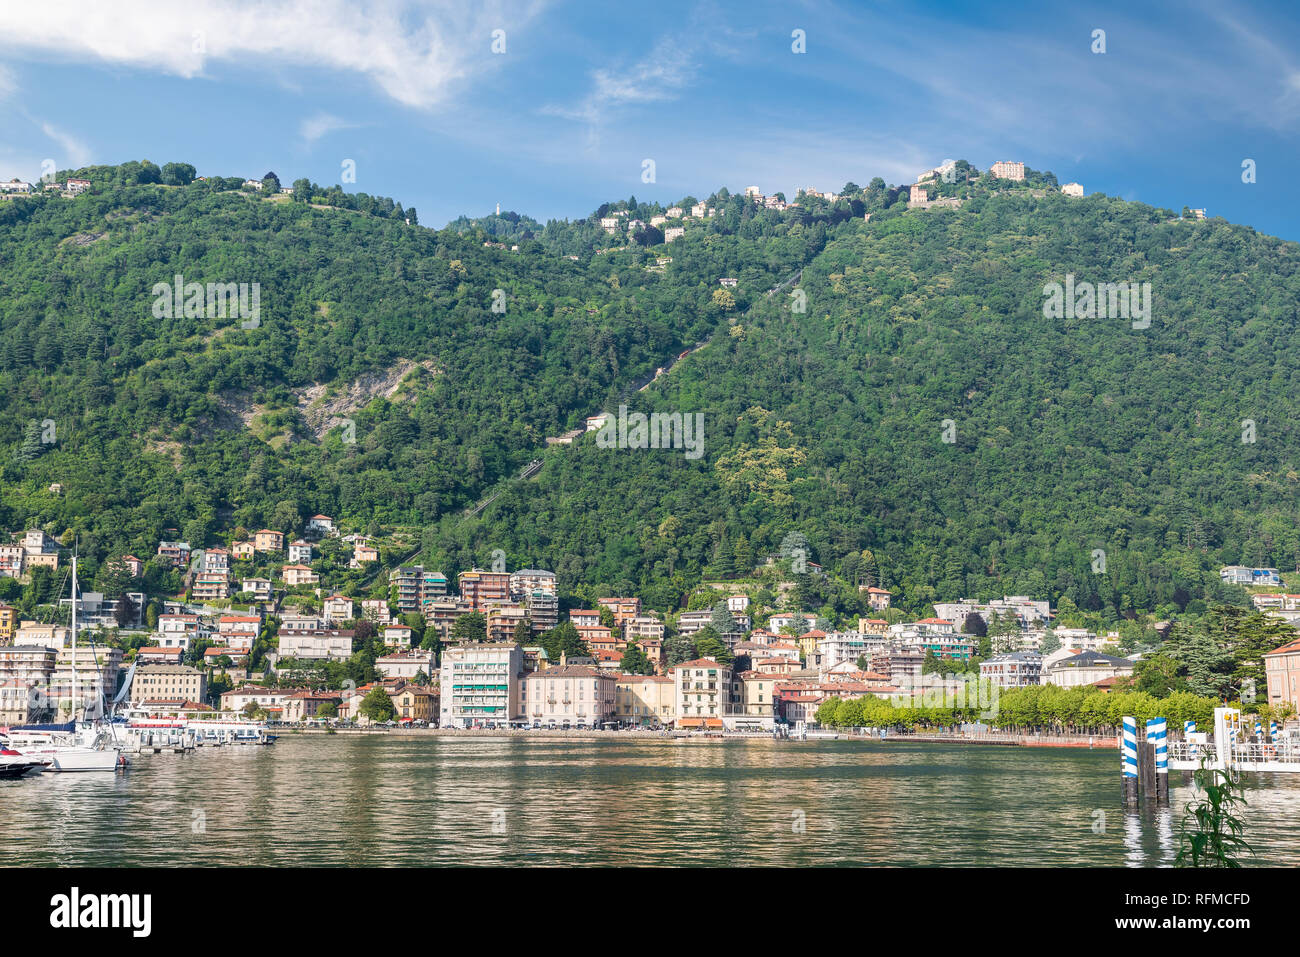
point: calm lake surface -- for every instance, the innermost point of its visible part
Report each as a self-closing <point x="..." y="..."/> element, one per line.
<point x="389" y="800"/>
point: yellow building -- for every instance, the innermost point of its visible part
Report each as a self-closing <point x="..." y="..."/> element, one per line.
<point x="414" y="703"/>
<point x="644" y="699"/>
<point x="8" y="623"/>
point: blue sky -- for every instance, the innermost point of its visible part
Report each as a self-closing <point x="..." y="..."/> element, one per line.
<point x="711" y="91"/>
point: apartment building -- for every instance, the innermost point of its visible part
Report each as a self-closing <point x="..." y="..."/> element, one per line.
<point x="480" y="684"/>
<point x="8" y="623"/>
<point x="568" y="696"/>
<point x="623" y="609"/>
<point x="503" y="618"/>
<point x="1020" y="669"/>
<point x="96" y="672"/>
<point x="180" y="682"/>
<point x="481" y="588"/>
<point x="238" y="632"/>
<point x="441" y="614"/>
<point x="702" y="693"/>
<point x="177" y="631"/>
<point x="753" y="702"/>
<point x="406" y="664"/>
<point x="210" y="587"/>
<point x="417" y="587"/>
<point x="543" y="610"/>
<point x="529" y="580"/>
<point x="644" y="628"/>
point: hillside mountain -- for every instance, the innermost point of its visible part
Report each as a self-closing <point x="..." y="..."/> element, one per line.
<point x="924" y="421"/>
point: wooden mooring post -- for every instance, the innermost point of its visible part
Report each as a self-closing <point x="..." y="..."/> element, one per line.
<point x="1145" y="763"/>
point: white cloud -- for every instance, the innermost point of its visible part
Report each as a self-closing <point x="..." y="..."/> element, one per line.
<point x="414" y="52"/>
<point x="314" y="127"/>
<point x="75" y="153"/>
<point x="659" y="76"/>
<point x="8" y="82"/>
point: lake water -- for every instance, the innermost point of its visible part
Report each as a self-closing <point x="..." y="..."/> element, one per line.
<point x="390" y="800"/>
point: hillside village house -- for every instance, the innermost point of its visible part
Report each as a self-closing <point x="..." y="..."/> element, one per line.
<point x="1008" y="169"/>
<point x="176" y="553"/>
<point x="176" y="631"/>
<point x="877" y="598"/>
<point x="362" y="554"/>
<point x="321" y="525"/>
<point x="268" y="541"/>
<point x="259" y="588"/>
<point x="300" y="551"/>
<point x="243" y="551"/>
<point x="239" y="632"/>
<point x="376" y="609"/>
<point x="1245" y="575"/>
<point x="399" y="636"/>
<point x="299" y="575"/>
<point x="337" y="609"/>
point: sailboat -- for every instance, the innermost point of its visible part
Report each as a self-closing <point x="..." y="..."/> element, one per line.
<point x="79" y="744"/>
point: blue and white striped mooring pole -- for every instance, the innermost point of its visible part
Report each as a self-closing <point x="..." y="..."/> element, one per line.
<point x="1259" y="728"/>
<point x="1129" y="757"/>
<point x="1158" y="735"/>
<point x="1272" y="730"/>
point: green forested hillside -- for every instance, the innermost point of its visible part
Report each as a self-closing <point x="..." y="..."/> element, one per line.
<point x="1071" y="435"/>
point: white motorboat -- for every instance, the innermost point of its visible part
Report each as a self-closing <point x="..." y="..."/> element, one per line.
<point x="66" y="748"/>
<point x="15" y="764"/>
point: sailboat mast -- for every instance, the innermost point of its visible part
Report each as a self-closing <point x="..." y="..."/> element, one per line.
<point x="74" y="637"/>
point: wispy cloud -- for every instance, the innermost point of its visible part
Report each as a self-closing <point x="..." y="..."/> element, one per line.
<point x="75" y="152"/>
<point x="8" y="82"/>
<point x="660" y="75"/>
<point x="414" y="52"/>
<point x="314" y="127"/>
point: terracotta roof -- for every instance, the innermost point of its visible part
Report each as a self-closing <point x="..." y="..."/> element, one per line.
<point x="1290" y="648"/>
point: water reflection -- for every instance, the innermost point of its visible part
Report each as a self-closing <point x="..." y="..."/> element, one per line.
<point x="416" y="801"/>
